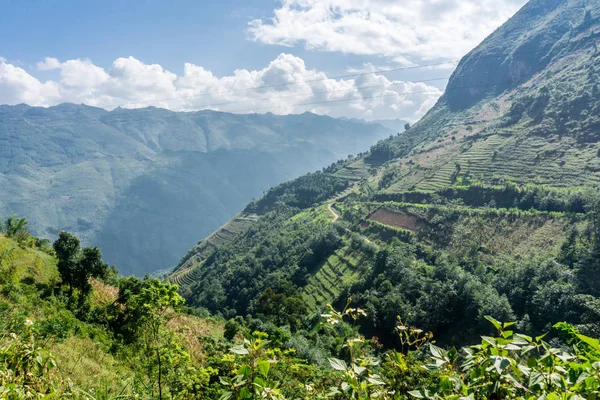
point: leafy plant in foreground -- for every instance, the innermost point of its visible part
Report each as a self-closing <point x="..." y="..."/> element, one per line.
<point x="515" y="366"/>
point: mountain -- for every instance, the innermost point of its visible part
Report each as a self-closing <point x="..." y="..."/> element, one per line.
<point x="143" y="184"/>
<point x="395" y="125"/>
<point x="487" y="206"/>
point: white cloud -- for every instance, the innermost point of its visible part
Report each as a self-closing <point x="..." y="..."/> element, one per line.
<point x="284" y="86"/>
<point x="17" y="86"/>
<point x="401" y="30"/>
<point x="2" y="60"/>
<point x="48" y="64"/>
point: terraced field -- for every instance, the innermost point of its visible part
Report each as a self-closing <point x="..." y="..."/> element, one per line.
<point x="186" y="271"/>
<point x="185" y="278"/>
<point x="558" y="162"/>
<point x="395" y="219"/>
<point x="339" y="271"/>
<point x="355" y="171"/>
<point x="475" y="161"/>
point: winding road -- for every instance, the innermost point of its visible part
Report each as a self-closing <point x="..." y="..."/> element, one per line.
<point x="335" y="215"/>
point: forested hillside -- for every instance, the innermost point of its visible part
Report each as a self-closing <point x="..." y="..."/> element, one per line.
<point x="457" y="260"/>
<point x="146" y="184"/>
<point x="71" y="328"/>
<point x="487" y="206"/>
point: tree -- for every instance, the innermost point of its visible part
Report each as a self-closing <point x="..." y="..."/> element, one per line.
<point x="232" y="327"/>
<point x="588" y="273"/>
<point x="152" y="304"/>
<point x="90" y="265"/>
<point x="67" y="252"/>
<point x="15" y="226"/>
<point x="77" y="266"/>
<point x="406" y="126"/>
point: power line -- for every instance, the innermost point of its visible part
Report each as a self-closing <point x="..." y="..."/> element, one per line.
<point x="271" y="98"/>
<point x="297" y="82"/>
<point x="208" y="106"/>
<point x="95" y="121"/>
<point x="395" y="94"/>
<point x="381" y="71"/>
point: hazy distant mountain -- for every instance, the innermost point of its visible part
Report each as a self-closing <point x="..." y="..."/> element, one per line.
<point x="395" y="125"/>
<point x="145" y="184"/>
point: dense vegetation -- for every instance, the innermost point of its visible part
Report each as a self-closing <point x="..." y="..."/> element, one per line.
<point x="486" y="207"/>
<point x="480" y="224"/>
<point x="127" y="338"/>
<point x="300" y="193"/>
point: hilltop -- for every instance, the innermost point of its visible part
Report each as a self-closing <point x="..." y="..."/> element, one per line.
<point x="485" y="206"/>
<point x="144" y="184"/>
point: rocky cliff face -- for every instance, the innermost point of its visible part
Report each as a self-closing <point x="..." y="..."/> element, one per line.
<point x="522" y="47"/>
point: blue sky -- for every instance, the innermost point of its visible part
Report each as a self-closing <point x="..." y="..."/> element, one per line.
<point x="109" y="53"/>
<point x="202" y="32"/>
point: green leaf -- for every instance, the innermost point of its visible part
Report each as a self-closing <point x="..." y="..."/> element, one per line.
<point x="594" y="343"/>
<point x="494" y="322"/>
<point x="437" y="352"/>
<point x="226" y="396"/>
<point x="522" y="339"/>
<point x="507" y="334"/>
<point x="538" y="338"/>
<point x="419" y="394"/>
<point x="224" y="381"/>
<point x="337" y="364"/>
<point x="260" y="382"/>
<point x="239" y="350"/>
<point x="244" y="371"/>
<point x="358" y="369"/>
<point x="263" y="367"/>
<point x="375" y="381"/>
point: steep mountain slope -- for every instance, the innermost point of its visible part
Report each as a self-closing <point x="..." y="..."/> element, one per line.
<point x="482" y="204"/>
<point x="142" y="184"/>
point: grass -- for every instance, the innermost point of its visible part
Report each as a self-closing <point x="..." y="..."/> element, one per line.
<point x="84" y="363"/>
<point x="82" y="351"/>
<point x="320" y="215"/>
<point x="26" y="262"/>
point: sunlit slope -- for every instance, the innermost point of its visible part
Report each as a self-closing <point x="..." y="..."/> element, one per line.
<point x="498" y="173"/>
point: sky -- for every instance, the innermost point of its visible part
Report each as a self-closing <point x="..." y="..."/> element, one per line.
<point x="372" y="59"/>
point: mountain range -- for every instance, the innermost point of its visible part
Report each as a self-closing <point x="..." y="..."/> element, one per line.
<point x="145" y="184"/>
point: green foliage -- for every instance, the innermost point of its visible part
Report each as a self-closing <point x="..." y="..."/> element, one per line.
<point x="27" y="371"/>
<point x="77" y="266"/>
<point x="516" y="366"/>
<point x="277" y="253"/>
<point x="300" y="193"/>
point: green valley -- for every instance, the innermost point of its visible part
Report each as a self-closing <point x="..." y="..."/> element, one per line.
<point x="145" y="184"/>
<point x="459" y="259"/>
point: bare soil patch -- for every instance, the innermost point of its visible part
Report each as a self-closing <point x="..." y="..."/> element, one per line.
<point x="395" y="219"/>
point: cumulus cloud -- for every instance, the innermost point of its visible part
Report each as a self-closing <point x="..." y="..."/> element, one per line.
<point x="400" y="30"/>
<point x="18" y="86"/>
<point x="48" y="64"/>
<point x="285" y="85"/>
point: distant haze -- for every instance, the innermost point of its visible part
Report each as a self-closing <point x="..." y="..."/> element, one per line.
<point x="146" y="184"/>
